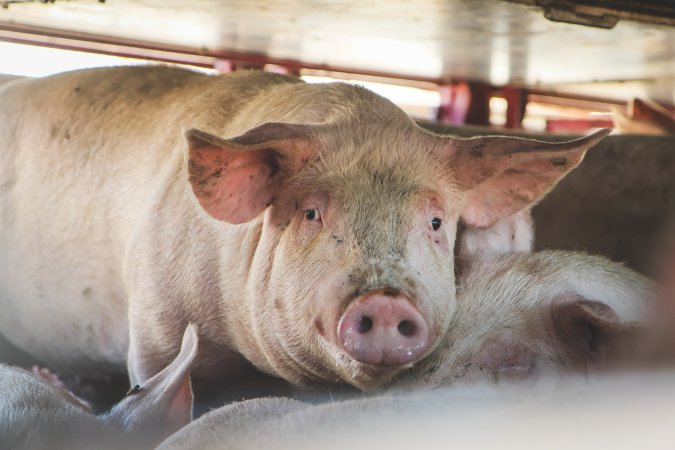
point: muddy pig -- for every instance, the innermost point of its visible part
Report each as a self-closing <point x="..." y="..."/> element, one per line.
<point x="35" y="414"/>
<point x="306" y="228"/>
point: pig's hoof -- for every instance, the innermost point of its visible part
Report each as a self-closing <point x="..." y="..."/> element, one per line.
<point x="50" y="377"/>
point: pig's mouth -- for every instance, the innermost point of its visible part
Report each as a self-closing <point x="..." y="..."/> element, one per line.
<point x="368" y="377"/>
<point x="383" y="373"/>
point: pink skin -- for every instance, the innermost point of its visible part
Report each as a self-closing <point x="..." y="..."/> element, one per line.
<point x="383" y="328"/>
<point x="338" y="233"/>
<point x="387" y="307"/>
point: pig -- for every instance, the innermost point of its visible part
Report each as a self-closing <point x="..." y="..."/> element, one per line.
<point x="528" y="327"/>
<point x="306" y="229"/>
<point x="618" y="411"/>
<point x="537" y="315"/>
<point x="7" y="78"/>
<point x="35" y="413"/>
<point x="619" y="203"/>
<point x="514" y="234"/>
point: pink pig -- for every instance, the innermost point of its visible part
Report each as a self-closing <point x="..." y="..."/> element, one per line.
<point x="308" y="229"/>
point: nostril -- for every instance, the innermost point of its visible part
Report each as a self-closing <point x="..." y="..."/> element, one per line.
<point x="365" y="324"/>
<point x="407" y="328"/>
<point x="381" y="330"/>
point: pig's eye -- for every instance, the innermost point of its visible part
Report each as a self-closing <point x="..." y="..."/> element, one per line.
<point x="436" y="223"/>
<point x="312" y="214"/>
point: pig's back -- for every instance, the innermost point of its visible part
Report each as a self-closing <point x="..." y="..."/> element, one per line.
<point x="82" y="155"/>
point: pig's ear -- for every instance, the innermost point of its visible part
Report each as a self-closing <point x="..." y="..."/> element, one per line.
<point x="236" y="179"/>
<point x="164" y="403"/>
<point x="592" y="333"/>
<point x="503" y="175"/>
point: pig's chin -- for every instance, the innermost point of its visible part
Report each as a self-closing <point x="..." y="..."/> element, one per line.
<point x="369" y="377"/>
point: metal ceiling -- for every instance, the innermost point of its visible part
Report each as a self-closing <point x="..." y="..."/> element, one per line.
<point x="434" y="40"/>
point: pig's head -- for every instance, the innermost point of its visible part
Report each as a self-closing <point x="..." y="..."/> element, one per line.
<point x="539" y="316"/>
<point x="352" y="277"/>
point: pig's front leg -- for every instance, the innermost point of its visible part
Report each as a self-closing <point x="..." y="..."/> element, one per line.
<point x="154" y="337"/>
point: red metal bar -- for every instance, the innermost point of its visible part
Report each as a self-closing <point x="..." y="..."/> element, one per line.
<point x="516" y="100"/>
<point x="479" y="108"/>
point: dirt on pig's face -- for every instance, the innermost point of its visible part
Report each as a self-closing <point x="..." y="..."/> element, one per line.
<point x="351" y="277"/>
<point x="360" y="256"/>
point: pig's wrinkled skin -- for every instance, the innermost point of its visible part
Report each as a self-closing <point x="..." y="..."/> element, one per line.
<point x="134" y="200"/>
<point x="35" y="414"/>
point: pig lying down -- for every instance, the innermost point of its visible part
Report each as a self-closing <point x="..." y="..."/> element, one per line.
<point x="627" y="411"/>
<point x="306" y="228"/>
<point x="519" y="317"/>
<point x="37" y="415"/>
<point x="539" y="315"/>
<point x="528" y="318"/>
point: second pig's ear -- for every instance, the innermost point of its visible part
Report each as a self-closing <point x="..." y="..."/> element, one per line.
<point x="593" y="335"/>
<point x="164" y="403"/>
<point x="503" y="175"/>
<point x="234" y="180"/>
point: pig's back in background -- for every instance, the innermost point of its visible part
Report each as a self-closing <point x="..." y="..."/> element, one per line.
<point x="618" y="203"/>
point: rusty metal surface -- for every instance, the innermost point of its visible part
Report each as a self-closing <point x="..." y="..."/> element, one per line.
<point x="606" y="13"/>
<point x="434" y="40"/>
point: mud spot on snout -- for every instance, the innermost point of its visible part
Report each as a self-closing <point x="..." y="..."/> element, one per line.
<point x="278" y="304"/>
<point x="86" y="292"/>
<point x="390" y="292"/>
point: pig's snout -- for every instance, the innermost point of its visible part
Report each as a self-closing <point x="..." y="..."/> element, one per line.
<point x="383" y="328"/>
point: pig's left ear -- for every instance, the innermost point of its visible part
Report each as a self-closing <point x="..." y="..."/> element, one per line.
<point x="593" y="335"/>
<point x="503" y="175"/>
<point x="164" y="403"/>
<point x="234" y="180"/>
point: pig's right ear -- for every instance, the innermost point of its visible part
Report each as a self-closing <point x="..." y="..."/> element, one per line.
<point x="164" y="403"/>
<point x="503" y="175"/>
<point x="234" y="180"/>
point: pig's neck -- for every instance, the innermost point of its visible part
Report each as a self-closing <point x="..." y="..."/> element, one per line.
<point x="246" y="280"/>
